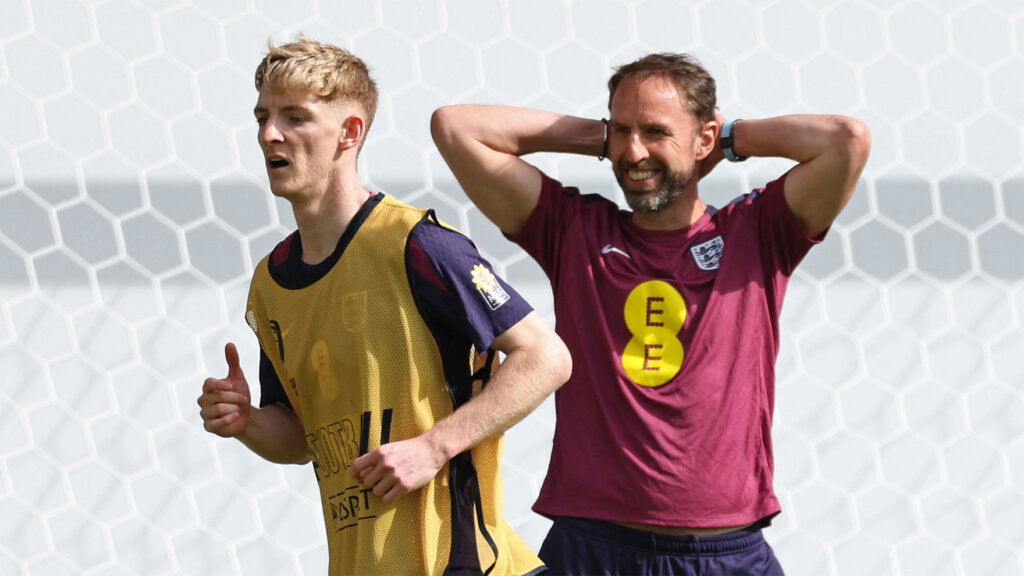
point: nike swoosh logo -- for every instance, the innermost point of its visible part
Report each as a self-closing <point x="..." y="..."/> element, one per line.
<point x="608" y="249"/>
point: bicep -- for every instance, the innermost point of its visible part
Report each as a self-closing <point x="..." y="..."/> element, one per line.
<point x="536" y="352"/>
<point x="521" y="334"/>
<point x="531" y="332"/>
<point x="504" y="187"/>
<point x="817" y="190"/>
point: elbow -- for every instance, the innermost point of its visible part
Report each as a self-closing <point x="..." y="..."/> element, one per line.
<point x="855" y="137"/>
<point x="297" y="456"/>
<point x="285" y="457"/>
<point x="560" y="362"/>
<point x="441" y="124"/>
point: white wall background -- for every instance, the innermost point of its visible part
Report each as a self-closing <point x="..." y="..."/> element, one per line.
<point x="133" y="205"/>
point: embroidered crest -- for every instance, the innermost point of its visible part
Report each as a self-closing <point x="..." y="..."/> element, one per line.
<point x="488" y="287"/>
<point x="708" y="255"/>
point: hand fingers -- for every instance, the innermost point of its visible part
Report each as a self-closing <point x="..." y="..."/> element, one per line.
<point x="371" y="471"/>
<point x="217" y="388"/>
<point x="361" y="464"/>
<point x="214" y="411"/>
<point x="382" y="480"/>
<point x="220" y="425"/>
<point x="211" y="385"/>
<point x="394" y="492"/>
<point x="225" y="397"/>
<point x="234" y="367"/>
<point x="213" y="419"/>
<point x="210" y="410"/>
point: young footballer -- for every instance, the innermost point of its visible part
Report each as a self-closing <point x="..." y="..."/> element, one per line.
<point x="368" y="318"/>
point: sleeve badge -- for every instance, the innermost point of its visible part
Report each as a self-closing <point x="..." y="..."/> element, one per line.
<point x="488" y="287"/>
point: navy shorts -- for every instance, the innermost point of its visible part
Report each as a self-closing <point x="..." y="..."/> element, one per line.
<point x="580" y="547"/>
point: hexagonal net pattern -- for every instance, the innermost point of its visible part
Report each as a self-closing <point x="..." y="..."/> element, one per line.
<point x="134" y="204"/>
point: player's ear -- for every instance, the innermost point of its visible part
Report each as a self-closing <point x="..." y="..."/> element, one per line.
<point x="353" y="130"/>
<point x="707" y="137"/>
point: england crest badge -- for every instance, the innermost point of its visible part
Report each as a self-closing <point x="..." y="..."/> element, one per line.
<point x="708" y="255"/>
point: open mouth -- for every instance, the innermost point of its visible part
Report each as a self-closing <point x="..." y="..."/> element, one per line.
<point x="277" y="162"/>
<point x="639" y="179"/>
<point x="638" y="175"/>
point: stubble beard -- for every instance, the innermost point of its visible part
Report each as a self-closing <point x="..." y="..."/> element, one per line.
<point x="672" y="186"/>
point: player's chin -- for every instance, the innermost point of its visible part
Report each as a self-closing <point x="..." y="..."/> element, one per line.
<point x="646" y="201"/>
<point x="282" y="189"/>
<point x="640" y="194"/>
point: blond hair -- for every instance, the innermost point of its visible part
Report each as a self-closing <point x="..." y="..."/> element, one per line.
<point x="323" y="70"/>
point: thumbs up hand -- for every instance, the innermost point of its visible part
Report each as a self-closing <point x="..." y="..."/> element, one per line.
<point x="225" y="404"/>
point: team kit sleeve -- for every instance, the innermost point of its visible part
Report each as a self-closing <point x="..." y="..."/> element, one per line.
<point x="541" y="235"/>
<point x="459" y="288"/>
<point x="271" y="390"/>
<point x="787" y="237"/>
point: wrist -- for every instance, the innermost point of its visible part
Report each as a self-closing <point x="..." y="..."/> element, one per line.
<point x="604" y="144"/>
<point x="437" y="443"/>
<point x="727" y="141"/>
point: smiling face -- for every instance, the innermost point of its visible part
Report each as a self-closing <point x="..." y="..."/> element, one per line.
<point x="301" y="137"/>
<point x="654" y="143"/>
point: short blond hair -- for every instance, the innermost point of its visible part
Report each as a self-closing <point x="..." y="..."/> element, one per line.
<point x="323" y="70"/>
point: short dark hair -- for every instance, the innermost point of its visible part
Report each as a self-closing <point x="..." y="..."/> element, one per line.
<point x="693" y="80"/>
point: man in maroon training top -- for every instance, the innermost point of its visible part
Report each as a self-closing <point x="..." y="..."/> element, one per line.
<point x="662" y="458"/>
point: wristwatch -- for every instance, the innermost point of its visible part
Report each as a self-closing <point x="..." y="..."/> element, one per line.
<point x="726" y="141"/>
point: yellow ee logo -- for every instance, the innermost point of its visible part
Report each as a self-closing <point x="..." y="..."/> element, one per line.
<point x="654" y="312"/>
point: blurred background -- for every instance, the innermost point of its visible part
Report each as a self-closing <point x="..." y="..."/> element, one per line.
<point x="134" y="204"/>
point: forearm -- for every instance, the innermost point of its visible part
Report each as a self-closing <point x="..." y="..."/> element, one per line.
<point x="518" y="131"/>
<point x="524" y="380"/>
<point x="483" y="144"/>
<point x="275" y="434"/>
<point x="830" y="152"/>
<point x="798" y="137"/>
